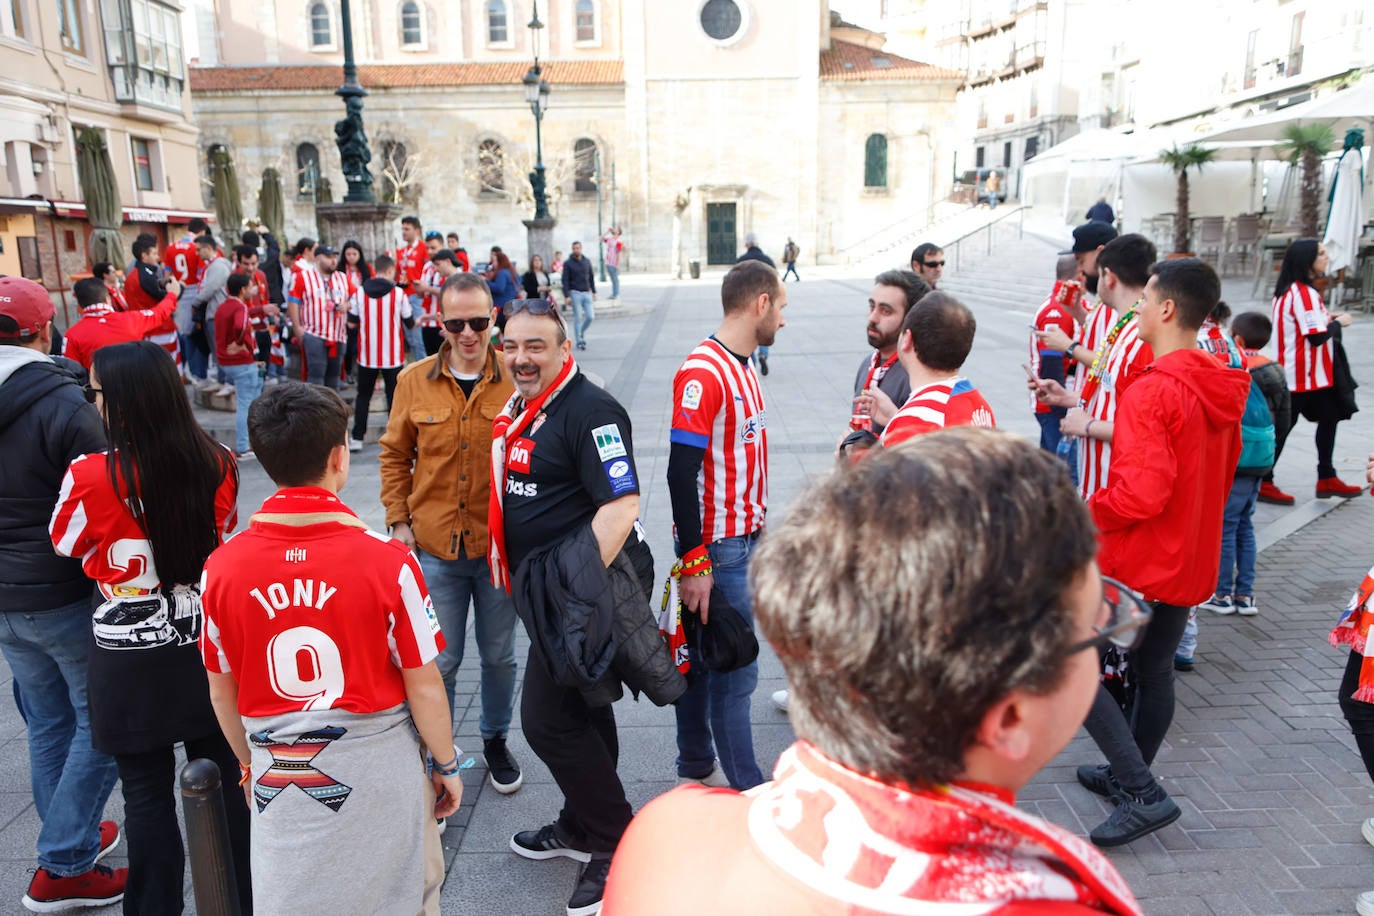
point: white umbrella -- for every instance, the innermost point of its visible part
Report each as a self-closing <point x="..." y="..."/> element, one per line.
<point x="1345" y="219"/>
<point x="1342" y="109"/>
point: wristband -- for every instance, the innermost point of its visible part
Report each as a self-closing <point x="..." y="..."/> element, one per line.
<point x="695" y="555"/>
<point x="1073" y="345"/>
<point x="245" y="772"/>
<point x="449" y="769"/>
<point x="1088" y="428"/>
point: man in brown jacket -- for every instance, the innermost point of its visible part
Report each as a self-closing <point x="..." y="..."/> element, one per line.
<point x="436" y="483"/>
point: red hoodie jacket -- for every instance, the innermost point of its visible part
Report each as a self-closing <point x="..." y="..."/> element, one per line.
<point x="1174" y="453"/>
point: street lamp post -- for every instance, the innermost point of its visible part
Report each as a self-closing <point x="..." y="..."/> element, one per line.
<point x="349" y="133"/>
<point x="539" y="229"/>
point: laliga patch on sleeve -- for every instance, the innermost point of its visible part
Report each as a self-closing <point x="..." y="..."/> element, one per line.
<point x="608" y="442"/>
<point x="1313" y="321"/>
<point x="430" y="616"/>
<point x="691" y="395"/>
<point x="620" y="475"/>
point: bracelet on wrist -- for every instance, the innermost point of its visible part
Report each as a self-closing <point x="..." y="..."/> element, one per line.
<point x="450" y="768"/>
<point x="1073" y="345"/>
<point x="1088" y="428"/>
<point x="245" y="772"/>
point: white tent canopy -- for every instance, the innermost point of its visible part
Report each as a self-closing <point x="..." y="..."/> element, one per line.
<point x="1342" y="109"/>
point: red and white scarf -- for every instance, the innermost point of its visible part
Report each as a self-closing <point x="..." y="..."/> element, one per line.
<point x="1353" y="630"/>
<point x="507" y="427"/>
<point x="956" y="848"/>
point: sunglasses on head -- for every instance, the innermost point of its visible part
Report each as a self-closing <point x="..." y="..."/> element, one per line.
<point x="456" y="325"/>
<point x="533" y="306"/>
<point x="933" y="263"/>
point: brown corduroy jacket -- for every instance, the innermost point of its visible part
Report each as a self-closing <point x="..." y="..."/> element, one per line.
<point x="436" y="454"/>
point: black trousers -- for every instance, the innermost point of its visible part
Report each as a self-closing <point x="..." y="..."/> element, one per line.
<point x="156" y="856"/>
<point x="578" y="744"/>
<point x="1358" y="714"/>
<point x="1320" y="406"/>
<point x="1130" y="747"/>
<point x="367" y="383"/>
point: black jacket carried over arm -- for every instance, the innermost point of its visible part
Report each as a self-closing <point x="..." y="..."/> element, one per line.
<point x="591" y="624"/>
<point x="45" y="422"/>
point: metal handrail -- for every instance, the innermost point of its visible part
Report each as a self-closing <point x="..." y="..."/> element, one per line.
<point x="1019" y="212"/>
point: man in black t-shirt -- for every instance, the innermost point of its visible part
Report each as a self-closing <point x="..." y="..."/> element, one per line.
<point x="567" y="463"/>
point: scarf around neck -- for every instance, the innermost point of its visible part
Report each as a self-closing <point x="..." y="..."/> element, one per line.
<point x="1353" y="630"/>
<point x="506" y="428"/>
<point x="951" y="849"/>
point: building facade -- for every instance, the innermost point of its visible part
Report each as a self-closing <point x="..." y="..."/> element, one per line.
<point x="115" y="65"/>
<point x="688" y="124"/>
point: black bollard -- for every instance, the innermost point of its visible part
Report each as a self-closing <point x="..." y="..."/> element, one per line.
<point x="207" y="836"/>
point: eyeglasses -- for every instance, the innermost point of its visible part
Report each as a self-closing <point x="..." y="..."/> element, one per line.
<point x="91" y="391"/>
<point x="533" y="306"/>
<point x="456" y="325"/>
<point x="933" y="263"/>
<point x="1127" y="616"/>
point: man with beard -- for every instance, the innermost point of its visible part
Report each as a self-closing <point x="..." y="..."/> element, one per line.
<point x="318" y="307"/>
<point x="718" y="485"/>
<point x="1088" y="240"/>
<point x="881" y="384"/>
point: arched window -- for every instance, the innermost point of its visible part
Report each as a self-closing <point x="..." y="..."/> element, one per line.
<point x="497" y="32"/>
<point x="491" y="162"/>
<point x="396" y="172"/>
<point x="412" y="24"/>
<point x="584" y="165"/>
<point x="321" y="26"/>
<point x="307" y="169"/>
<point x="875" y="161"/>
<point x="586" y="20"/>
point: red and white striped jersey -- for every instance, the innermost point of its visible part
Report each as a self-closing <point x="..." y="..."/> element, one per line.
<point x="1127" y="360"/>
<point x="1298" y="313"/>
<point x="381" y="336"/>
<point x="718" y="406"/>
<point x="117" y="300"/>
<point x="1051" y="314"/>
<point x="324" y="302"/>
<point x="430" y="277"/>
<point x="1093" y="332"/>
<point x="309" y="610"/>
<point x="411" y="260"/>
<point x="181" y="259"/>
<point x="92" y="523"/>
<point x="953" y="402"/>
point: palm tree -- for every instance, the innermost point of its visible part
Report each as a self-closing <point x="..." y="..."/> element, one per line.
<point x="1305" y="145"/>
<point x="1181" y="160"/>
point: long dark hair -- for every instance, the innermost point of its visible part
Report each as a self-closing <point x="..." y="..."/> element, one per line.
<point x="364" y="268"/>
<point x="165" y="467"/>
<point x="1297" y="265"/>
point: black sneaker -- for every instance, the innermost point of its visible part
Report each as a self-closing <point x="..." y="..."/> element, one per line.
<point x="763" y="365"/>
<point x="545" y="843"/>
<point x="1134" y="819"/>
<point x="502" y="769"/>
<point x="1099" y="780"/>
<point x="591" y="887"/>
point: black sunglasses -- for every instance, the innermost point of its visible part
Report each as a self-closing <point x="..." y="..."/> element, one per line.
<point x="1127" y="617"/>
<point x="533" y="306"/>
<point x="933" y="263"/>
<point x="91" y="391"/>
<point x="456" y="325"/>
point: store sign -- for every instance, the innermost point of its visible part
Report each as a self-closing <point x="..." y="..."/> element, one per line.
<point x="136" y="215"/>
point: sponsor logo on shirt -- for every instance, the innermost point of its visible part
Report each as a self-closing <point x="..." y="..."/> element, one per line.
<point x="691" y="395"/>
<point x="431" y="617"/>
<point x="620" y="476"/>
<point x="608" y="442"/>
<point x="521" y="488"/>
<point x="753" y="427"/>
<point x="518" y="457"/>
<point x="618" y="469"/>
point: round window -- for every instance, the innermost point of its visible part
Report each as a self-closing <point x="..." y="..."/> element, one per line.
<point x="721" y="19"/>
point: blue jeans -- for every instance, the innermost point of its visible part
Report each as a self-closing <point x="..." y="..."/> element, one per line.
<point x="198" y="362"/>
<point x="716" y="705"/>
<point x="415" y="338"/>
<point x="320" y="367"/>
<point x="454" y="586"/>
<point x="247" y="386"/>
<point x="584" y="313"/>
<point x="615" y="280"/>
<point x="46" y="651"/>
<point x="1187" y="643"/>
<point x="1238" y="539"/>
<point x="1049" y="428"/>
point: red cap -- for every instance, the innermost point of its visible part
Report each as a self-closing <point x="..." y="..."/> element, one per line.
<point x="27" y="303"/>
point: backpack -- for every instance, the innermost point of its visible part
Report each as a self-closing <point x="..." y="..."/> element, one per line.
<point x="790" y="252"/>
<point x="1257" y="439"/>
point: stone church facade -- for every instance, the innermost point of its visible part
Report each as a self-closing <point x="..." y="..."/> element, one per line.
<point x="689" y="123"/>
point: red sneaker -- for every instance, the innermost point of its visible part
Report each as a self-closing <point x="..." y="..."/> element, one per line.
<point x="109" y="839"/>
<point x="1328" y="487"/>
<point x="1271" y="494"/>
<point x="100" y="886"/>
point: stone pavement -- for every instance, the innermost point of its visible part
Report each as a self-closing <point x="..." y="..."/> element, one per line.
<point x="1259" y="757"/>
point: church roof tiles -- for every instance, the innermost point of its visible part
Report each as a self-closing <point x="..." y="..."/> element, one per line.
<point x="847" y="61"/>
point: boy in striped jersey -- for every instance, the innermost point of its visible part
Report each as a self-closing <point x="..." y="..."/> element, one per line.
<point x="381" y="313"/>
<point x="718" y="483"/>
<point x="1124" y="267"/>
<point x="937" y="335"/>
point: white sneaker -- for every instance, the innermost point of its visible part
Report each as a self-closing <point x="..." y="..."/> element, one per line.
<point x="1367" y="831"/>
<point x="716" y="779"/>
<point x="1218" y="604"/>
<point x="1364" y="904"/>
<point x="225" y="391"/>
<point x="1245" y="606"/>
<point x="355" y="445"/>
<point x="780" y="700"/>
